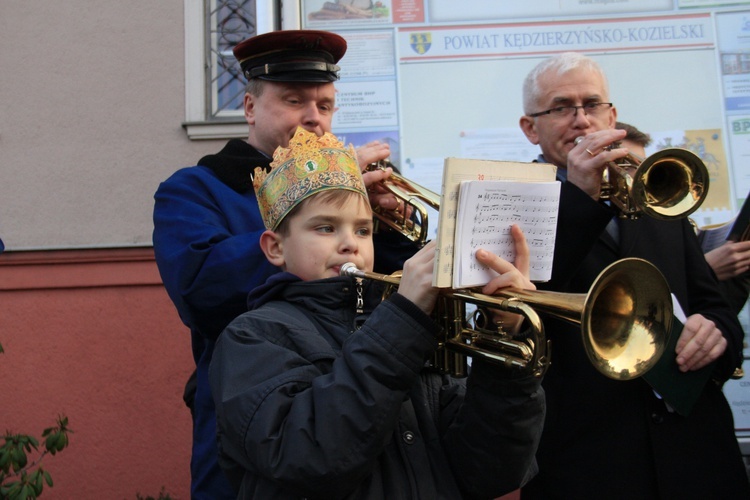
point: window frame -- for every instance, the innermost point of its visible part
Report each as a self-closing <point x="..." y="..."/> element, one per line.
<point x="199" y="124"/>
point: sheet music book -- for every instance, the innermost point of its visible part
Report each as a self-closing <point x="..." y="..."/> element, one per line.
<point x="487" y="209"/>
<point x="737" y="229"/>
<point x="458" y="170"/>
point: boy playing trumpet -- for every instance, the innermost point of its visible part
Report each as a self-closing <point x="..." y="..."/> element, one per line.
<point x="322" y="390"/>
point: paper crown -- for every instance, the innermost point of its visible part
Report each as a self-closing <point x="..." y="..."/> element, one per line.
<point x="309" y="165"/>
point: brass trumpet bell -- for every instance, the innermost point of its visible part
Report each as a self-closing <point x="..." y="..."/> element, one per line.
<point x="669" y="184"/>
<point x="625" y="317"/>
<point x="412" y="222"/>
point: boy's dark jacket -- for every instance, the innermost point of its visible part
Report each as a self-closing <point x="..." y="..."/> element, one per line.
<point x="309" y="408"/>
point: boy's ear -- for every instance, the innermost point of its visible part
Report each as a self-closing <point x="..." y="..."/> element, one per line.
<point x="272" y="245"/>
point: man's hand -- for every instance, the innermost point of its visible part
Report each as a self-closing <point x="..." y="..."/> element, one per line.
<point x="588" y="158"/>
<point x="730" y="259"/>
<point x="700" y="343"/>
<point x="379" y="196"/>
<point x="372" y="152"/>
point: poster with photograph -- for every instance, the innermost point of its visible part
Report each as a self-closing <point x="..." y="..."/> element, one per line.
<point x="708" y="145"/>
<point x="332" y="14"/>
<point x="733" y="33"/>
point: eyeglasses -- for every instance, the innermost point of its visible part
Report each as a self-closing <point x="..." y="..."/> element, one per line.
<point x="590" y="108"/>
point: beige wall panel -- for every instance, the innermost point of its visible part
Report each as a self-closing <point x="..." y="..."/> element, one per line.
<point x="93" y="102"/>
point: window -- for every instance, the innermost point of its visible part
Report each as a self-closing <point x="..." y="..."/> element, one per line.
<point x="229" y="22"/>
<point x="214" y="85"/>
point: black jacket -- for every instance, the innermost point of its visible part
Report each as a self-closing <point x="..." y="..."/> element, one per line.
<point x="615" y="439"/>
<point x="307" y="406"/>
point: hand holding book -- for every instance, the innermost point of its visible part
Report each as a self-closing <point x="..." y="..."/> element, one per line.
<point x="727" y="246"/>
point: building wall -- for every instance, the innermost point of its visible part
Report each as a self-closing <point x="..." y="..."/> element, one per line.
<point x="93" y="101"/>
<point x="93" y="104"/>
<point x="91" y="334"/>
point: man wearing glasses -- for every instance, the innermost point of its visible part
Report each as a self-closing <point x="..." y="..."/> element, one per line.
<point x="618" y="439"/>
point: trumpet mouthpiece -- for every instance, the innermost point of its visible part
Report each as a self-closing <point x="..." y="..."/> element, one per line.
<point x="349" y="269"/>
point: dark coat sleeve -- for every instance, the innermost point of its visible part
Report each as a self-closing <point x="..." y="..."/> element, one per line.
<point x="736" y="291"/>
<point x="581" y="221"/>
<point x="491" y="435"/>
<point x="392" y="249"/>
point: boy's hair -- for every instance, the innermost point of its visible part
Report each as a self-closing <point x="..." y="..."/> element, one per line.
<point x="633" y="134"/>
<point x="336" y="197"/>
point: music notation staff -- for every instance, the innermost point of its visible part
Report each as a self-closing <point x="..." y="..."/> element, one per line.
<point x="459" y="170"/>
<point x="487" y="209"/>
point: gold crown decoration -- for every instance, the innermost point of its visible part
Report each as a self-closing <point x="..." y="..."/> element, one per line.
<point x="309" y="165"/>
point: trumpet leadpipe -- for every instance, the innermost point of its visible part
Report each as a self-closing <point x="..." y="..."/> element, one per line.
<point x="350" y="269"/>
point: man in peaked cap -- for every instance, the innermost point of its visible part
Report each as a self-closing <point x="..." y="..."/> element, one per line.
<point x="206" y="219"/>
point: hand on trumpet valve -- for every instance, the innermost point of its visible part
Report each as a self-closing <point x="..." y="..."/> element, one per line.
<point x="373" y="178"/>
<point x="588" y="157"/>
<point x="376" y="152"/>
<point x="372" y="152"/>
<point x="380" y="196"/>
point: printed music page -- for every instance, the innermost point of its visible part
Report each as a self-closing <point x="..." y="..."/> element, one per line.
<point x="457" y="170"/>
<point x="737" y="229"/>
<point x="487" y="209"/>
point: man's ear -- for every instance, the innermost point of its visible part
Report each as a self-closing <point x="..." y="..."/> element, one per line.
<point x="272" y="245"/>
<point x="612" y="117"/>
<point x="249" y="105"/>
<point x="528" y="126"/>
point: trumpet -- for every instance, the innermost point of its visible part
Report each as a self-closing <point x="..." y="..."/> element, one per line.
<point x="625" y="320"/>
<point x="412" y="222"/>
<point x="669" y="184"/>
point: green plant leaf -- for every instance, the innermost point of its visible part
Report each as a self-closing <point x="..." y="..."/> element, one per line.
<point x="50" y="442"/>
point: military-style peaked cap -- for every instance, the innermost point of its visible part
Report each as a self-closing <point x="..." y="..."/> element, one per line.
<point x="292" y="56"/>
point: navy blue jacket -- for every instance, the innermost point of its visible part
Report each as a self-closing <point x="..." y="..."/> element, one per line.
<point x="206" y="231"/>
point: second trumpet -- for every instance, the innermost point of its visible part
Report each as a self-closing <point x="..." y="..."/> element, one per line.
<point x="669" y="184"/>
<point x="411" y="221"/>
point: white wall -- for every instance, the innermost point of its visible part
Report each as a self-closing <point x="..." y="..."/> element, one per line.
<point x="653" y="91"/>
